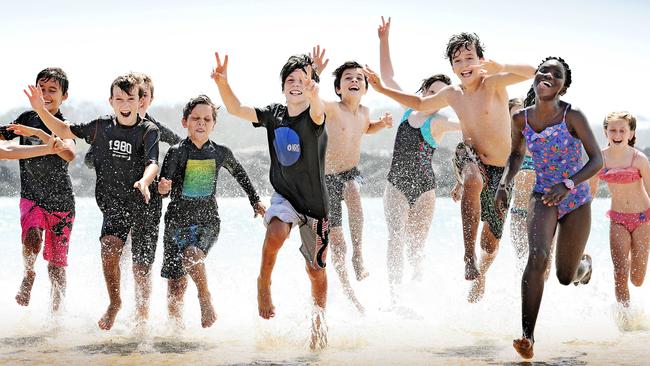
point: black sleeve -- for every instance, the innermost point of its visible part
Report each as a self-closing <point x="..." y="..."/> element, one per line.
<point x="167" y="135"/>
<point x="151" y="138"/>
<point x="237" y="171"/>
<point x="265" y="116"/>
<point x="85" y="131"/>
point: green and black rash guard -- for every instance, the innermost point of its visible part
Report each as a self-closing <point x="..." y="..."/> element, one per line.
<point x="297" y="147"/>
<point x="193" y="172"/>
<point x="120" y="155"/>
<point x="43" y="179"/>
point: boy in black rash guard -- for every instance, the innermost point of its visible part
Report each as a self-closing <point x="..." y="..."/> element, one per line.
<point x="46" y="197"/>
<point x="152" y="211"/>
<point x="126" y="161"/>
<point x="297" y="143"/>
<point x="192" y="221"/>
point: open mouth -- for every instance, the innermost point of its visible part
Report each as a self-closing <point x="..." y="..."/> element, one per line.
<point x="353" y="88"/>
<point x="466" y="74"/>
<point x="125" y="114"/>
<point x="546" y="84"/>
<point x="295" y="92"/>
<point x="617" y="141"/>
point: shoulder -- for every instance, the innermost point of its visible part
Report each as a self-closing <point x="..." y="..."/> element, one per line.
<point x="519" y="118"/>
<point x="641" y="157"/>
<point x="149" y="126"/>
<point x="26" y="117"/>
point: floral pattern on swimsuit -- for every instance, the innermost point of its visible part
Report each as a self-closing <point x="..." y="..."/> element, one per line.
<point x="557" y="156"/>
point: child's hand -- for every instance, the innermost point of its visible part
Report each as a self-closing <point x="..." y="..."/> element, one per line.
<point x="219" y="73"/>
<point x="387" y="120"/>
<point x="457" y="192"/>
<point x="311" y="86"/>
<point x="490" y="67"/>
<point x="35" y="96"/>
<point x="556" y="194"/>
<point x="259" y="209"/>
<point x="373" y="78"/>
<point x="143" y="187"/>
<point x="55" y="145"/>
<point x="22" y="130"/>
<point x="384" y="28"/>
<point x="501" y="201"/>
<point x="318" y="58"/>
<point x="164" y="186"/>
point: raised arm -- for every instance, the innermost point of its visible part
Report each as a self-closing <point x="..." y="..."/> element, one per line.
<point x="320" y="62"/>
<point x="385" y="62"/>
<point x="429" y="103"/>
<point x="517" y="152"/>
<point x="502" y="75"/>
<point x="232" y="103"/>
<point x="316" y="104"/>
<point x="58" y="127"/>
<point x="67" y="153"/>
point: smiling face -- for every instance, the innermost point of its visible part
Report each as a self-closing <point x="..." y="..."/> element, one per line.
<point x="200" y="123"/>
<point x="52" y="94"/>
<point x="352" y="84"/>
<point x="549" y="80"/>
<point x="464" y="63"/>
<point x="618" y="132"/>
<point x="294" y="87"/>
<point x="125" y="105"/>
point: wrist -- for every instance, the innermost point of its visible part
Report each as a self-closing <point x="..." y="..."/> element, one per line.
<point x="569" y="184"/>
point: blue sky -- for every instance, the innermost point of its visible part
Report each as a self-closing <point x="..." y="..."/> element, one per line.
<point x="174" y="43"/>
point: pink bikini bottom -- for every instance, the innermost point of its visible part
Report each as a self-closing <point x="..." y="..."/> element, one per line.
<point x="631" y="221"/>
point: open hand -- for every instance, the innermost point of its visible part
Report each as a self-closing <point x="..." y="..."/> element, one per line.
<point x="311" y="86"/>
<point x="220" y="73"/>
<point x="164" y="186"/>
<point x="319" y="59"/>
<point x="373" y="78"/>
<point x="489" y="67"/>
<point x="384" y="28"/>
<point x="554" y="195"/>
<point x="143" y="187"/>
<point x="387" y="120"/>
<point x="35" y="96"/>
<point x="22" y="130"/>
<point x="55" y="145"/>
<point x="259" y="209"/>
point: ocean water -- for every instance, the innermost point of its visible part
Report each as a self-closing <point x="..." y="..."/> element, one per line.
<point x="434" y="324"/>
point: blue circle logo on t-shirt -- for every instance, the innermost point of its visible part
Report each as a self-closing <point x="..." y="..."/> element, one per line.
<point x="287" y="146"/>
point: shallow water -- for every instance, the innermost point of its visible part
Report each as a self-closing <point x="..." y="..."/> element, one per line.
<point x="433" y="325"/>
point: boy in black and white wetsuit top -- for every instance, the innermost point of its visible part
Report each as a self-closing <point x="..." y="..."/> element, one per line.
<point x="297" y="144"/>
<point x="189" y="173"/>
<point x="126" y="161"/>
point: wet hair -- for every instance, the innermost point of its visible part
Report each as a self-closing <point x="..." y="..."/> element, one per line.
<point x="463" y="40"/>
<point x="426" y="83"/>
<point x="338" y="74"/>
<point x="298" y="62"/>
<point x="54" y="73"/>
<point x="126" y="83"/>
<point x="624" y="115"/>
<point x="515" y="102"/>
<point x="145" y="80"/>
<point x="201" y="99"/>
<point x="530" y="96"/>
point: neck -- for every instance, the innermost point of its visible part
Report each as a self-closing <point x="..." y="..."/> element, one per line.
<point x="131" y="121"/>
<point x="473" y="86"/>
<point x="547" y="107"/>
<point x="295" y="109"/>
<point x="619" y="151"/>
<point x="351" y="104"/>
<point x="198" y="141"/>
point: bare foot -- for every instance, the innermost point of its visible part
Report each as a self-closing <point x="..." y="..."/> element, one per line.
<point x="359" y="269"/>
<point x="208" y="316"/>
<point x="106" y="322"/>
<point x="586" y="277"/>
<point x="471" y="272"/>
<point x="318" y="331"/>
<point x="477" y="290"/>
<point x="57" y="298"/>
<point x="264" y="302"/>
<point x="25" y="291"/>
<point x="524" y="347"/>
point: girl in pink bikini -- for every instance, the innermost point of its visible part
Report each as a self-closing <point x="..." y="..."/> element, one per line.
<point x="627" y="174"/>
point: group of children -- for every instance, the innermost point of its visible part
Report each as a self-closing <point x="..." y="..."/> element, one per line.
<point x="314" y="147"/>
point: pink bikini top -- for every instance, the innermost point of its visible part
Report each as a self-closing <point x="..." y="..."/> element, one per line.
<point x="626" y="175"/>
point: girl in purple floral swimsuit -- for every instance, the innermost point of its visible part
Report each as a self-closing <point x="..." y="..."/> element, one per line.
<point x="555" y="135"/>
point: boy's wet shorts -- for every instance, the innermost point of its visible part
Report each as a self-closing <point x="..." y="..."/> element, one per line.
<point x="335" y="186"/>
<point x="491" y="178"/>
<point x="122" y="218"/>
<point x="176" y="240"/>
<point x="57" y="227"/>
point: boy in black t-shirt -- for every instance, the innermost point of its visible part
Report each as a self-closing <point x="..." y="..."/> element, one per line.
<point x="126" y="161"/>
<point x="192" y="222"/>
<point x="46" y="197"/>
<point x="297" y="142"/>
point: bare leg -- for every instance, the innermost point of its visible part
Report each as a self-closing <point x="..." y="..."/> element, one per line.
<point x="193" y="259"/>
<point x="111" y="252"/>
<point x="470" y="206"/>
<point x="58" y="280"/>
<point x="337" y="243"/>
<point x="352" y="197"/>
<point x="142" y="277"/>
<point x="396" y="211"/>
<point x="276" y="233"/>
<point x="318" y="279"/>
<point x="542" y="223"/>
<point x="417" y="226"/>
<point x="620" y="242"/>
<point x="571" y="263"/>
<point x="639" y="254"/>
<point x="175" y="293"/>
<point x="31" y="248"/>
<point x="489" y="249"/>
<point x="524" y="182"/>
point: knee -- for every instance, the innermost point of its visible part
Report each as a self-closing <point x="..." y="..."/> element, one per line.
<point x="192" y="256"/>
<point x="276" y="234"/>
<point x="176" y="288"/>
<point x="316" y="274"/>
<point x="538" y="260"/>
<point x="490" y="246"/>
<point x="637" y="280"/>
<point x="472" y="183"/>
<point x="564" y="277"/>
<point x="141" y="270"/>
